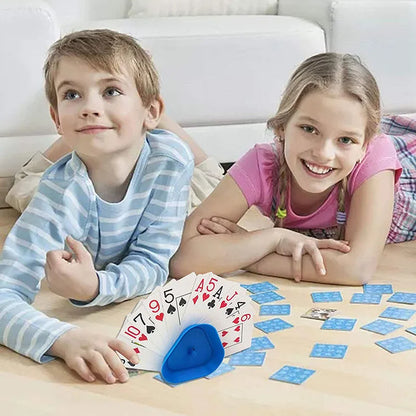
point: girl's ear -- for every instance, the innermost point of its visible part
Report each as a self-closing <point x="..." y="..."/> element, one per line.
<point x="154" y="113"/>
<point x="55" y="118"/>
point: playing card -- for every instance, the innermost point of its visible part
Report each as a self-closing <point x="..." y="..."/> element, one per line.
<point x="367" y="297"/>
<point x="158" y="320"/>
<point x="403" y="297"/>
<point x="397" y="344"/>
<point x="133" y="333"/>
<point x="397" y="313"/>
<point x="326" y="296"/>
<point x="261" y="343"/>
<point x="260" y="287"/>
<point x="266" y="297"/>
<point x="250" y="358"/>
<point x="290" y="374"/>
<point x="329" y="351"/>
<point x="275" y="309"/>
<point x="321" y="314"/>
<point x="380" y="326"/>
<point x="381" y="289"/>
<point x="222" y="369"/>
<point x="339" y="324"/>
<point x="273" y="325"/>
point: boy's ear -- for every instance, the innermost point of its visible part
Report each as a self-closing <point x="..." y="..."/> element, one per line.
<point x="55" y="118"/>
<point x="154" y="113"/>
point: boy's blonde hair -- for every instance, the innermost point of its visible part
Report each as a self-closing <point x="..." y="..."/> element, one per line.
<point x="106" y="50"/>
<point x="324" y="72"/>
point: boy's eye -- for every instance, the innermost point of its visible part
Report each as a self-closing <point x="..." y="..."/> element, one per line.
<point x="345" y="140"/>
<point x="308" y="129"/>
<point x="71" y="95"/>
<point x="112" y="92"/>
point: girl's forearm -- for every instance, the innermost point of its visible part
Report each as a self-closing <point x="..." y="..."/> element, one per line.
<point x="341" y="268"/>
<point x="222" y="253"/>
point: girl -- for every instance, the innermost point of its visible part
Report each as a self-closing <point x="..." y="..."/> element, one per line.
<point x="326" y="176"/>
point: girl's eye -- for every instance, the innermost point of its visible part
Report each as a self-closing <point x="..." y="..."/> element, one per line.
<point x="71" y="95"/>
<point x="309" y="129"/>
<point x="112" y="92"/>
<point x="345" y="140"/>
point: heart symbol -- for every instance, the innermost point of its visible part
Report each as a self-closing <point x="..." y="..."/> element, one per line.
<point x="205" y="296"/>
<point x="182" y="302"/>
<point x="237" y="339"/>
<point x="224" y="333"/>
<point x="195" y="299"/>
<point x="237" y="328"/>
<point x="223" y="304"/>
<point x="236" y="320"/>
<point x="159" y="317"/>
<point x="136" y="350"/>
<point x="142" y="337"/>
<point x="224" y="344"/>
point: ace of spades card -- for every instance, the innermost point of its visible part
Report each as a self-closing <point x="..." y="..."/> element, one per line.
<point x="195" y="299"/>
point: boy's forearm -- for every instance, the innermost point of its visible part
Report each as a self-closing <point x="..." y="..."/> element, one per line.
<point x="222" y="253"/>
<point x="341" y="268"/>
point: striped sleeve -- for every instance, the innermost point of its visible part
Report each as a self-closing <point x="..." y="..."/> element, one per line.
<point x="39" y="230"/>
<point x="146" y="264"/>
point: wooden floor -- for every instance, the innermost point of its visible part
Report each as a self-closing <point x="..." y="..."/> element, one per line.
<point x="368" y="381"/>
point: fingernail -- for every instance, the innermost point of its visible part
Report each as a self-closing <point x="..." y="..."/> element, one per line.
<point x="124" y="377"/>
<point x="214" y="218"/>
<point x="135" y="360"/>
<point x="322" y="271"/>
<point x="91" y="378"/>
<point x="110" y="379"/>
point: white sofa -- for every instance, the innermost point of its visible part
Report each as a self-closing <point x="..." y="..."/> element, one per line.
<point x="222" y="75"/>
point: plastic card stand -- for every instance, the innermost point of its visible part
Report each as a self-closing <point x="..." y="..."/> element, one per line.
<point x="196" y="353"/>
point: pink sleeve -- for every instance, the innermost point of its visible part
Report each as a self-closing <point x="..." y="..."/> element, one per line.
<point x="253" y="174"/>
<point x="381" y="155"/>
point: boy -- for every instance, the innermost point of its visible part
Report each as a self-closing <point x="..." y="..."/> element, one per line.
<point x="118" y="203"/>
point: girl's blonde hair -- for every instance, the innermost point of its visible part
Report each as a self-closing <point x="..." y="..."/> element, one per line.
<point x="106" y="50"/>
<point x="323" y="72"/>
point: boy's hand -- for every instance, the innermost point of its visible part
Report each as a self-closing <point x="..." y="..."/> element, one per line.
<point x="91" y="354"/>
<point x="72" y="276"/>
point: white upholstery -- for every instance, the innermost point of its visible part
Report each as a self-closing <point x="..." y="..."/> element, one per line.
<point x="222" y="76"/>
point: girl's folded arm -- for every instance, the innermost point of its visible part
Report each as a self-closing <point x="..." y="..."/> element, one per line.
<point x="368" y="224"/>
<point x="220" y="253"/>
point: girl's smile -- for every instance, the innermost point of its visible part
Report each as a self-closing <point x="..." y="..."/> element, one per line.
<point x="323" y="141"/>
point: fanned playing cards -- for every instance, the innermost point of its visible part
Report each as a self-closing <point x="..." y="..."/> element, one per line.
<point x="158" y="321"/>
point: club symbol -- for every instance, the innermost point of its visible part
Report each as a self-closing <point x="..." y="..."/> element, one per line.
<point x="211" y="304"/>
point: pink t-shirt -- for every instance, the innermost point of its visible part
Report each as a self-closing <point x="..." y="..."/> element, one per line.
<point x="254" y="172"/>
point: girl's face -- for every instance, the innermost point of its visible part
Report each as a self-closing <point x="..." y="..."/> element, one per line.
<point x="324" y="139"/>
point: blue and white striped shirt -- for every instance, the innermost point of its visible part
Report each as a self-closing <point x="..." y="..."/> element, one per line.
<point x="131" y="241"/>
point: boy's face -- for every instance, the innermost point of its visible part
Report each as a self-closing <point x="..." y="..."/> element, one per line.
<point x="99" y="113"/>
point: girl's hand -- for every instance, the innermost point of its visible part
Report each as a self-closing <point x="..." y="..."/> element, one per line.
<point x="72" y="276"/>
<point x="291" y="243"/>
<point x="217" y="225"/>
<point x="90" y="354"/>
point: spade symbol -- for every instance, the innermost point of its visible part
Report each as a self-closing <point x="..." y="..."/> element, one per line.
<point x="211" y="304"/>
<point x="171" y="309"/>
<point x="150" y="329"/>
<point x="228" y="311"/>
<point x="182" y="302"/>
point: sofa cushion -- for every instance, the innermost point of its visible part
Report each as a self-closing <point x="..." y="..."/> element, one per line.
<point x="222" y="69"/>
<point x="147" y="8"/>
